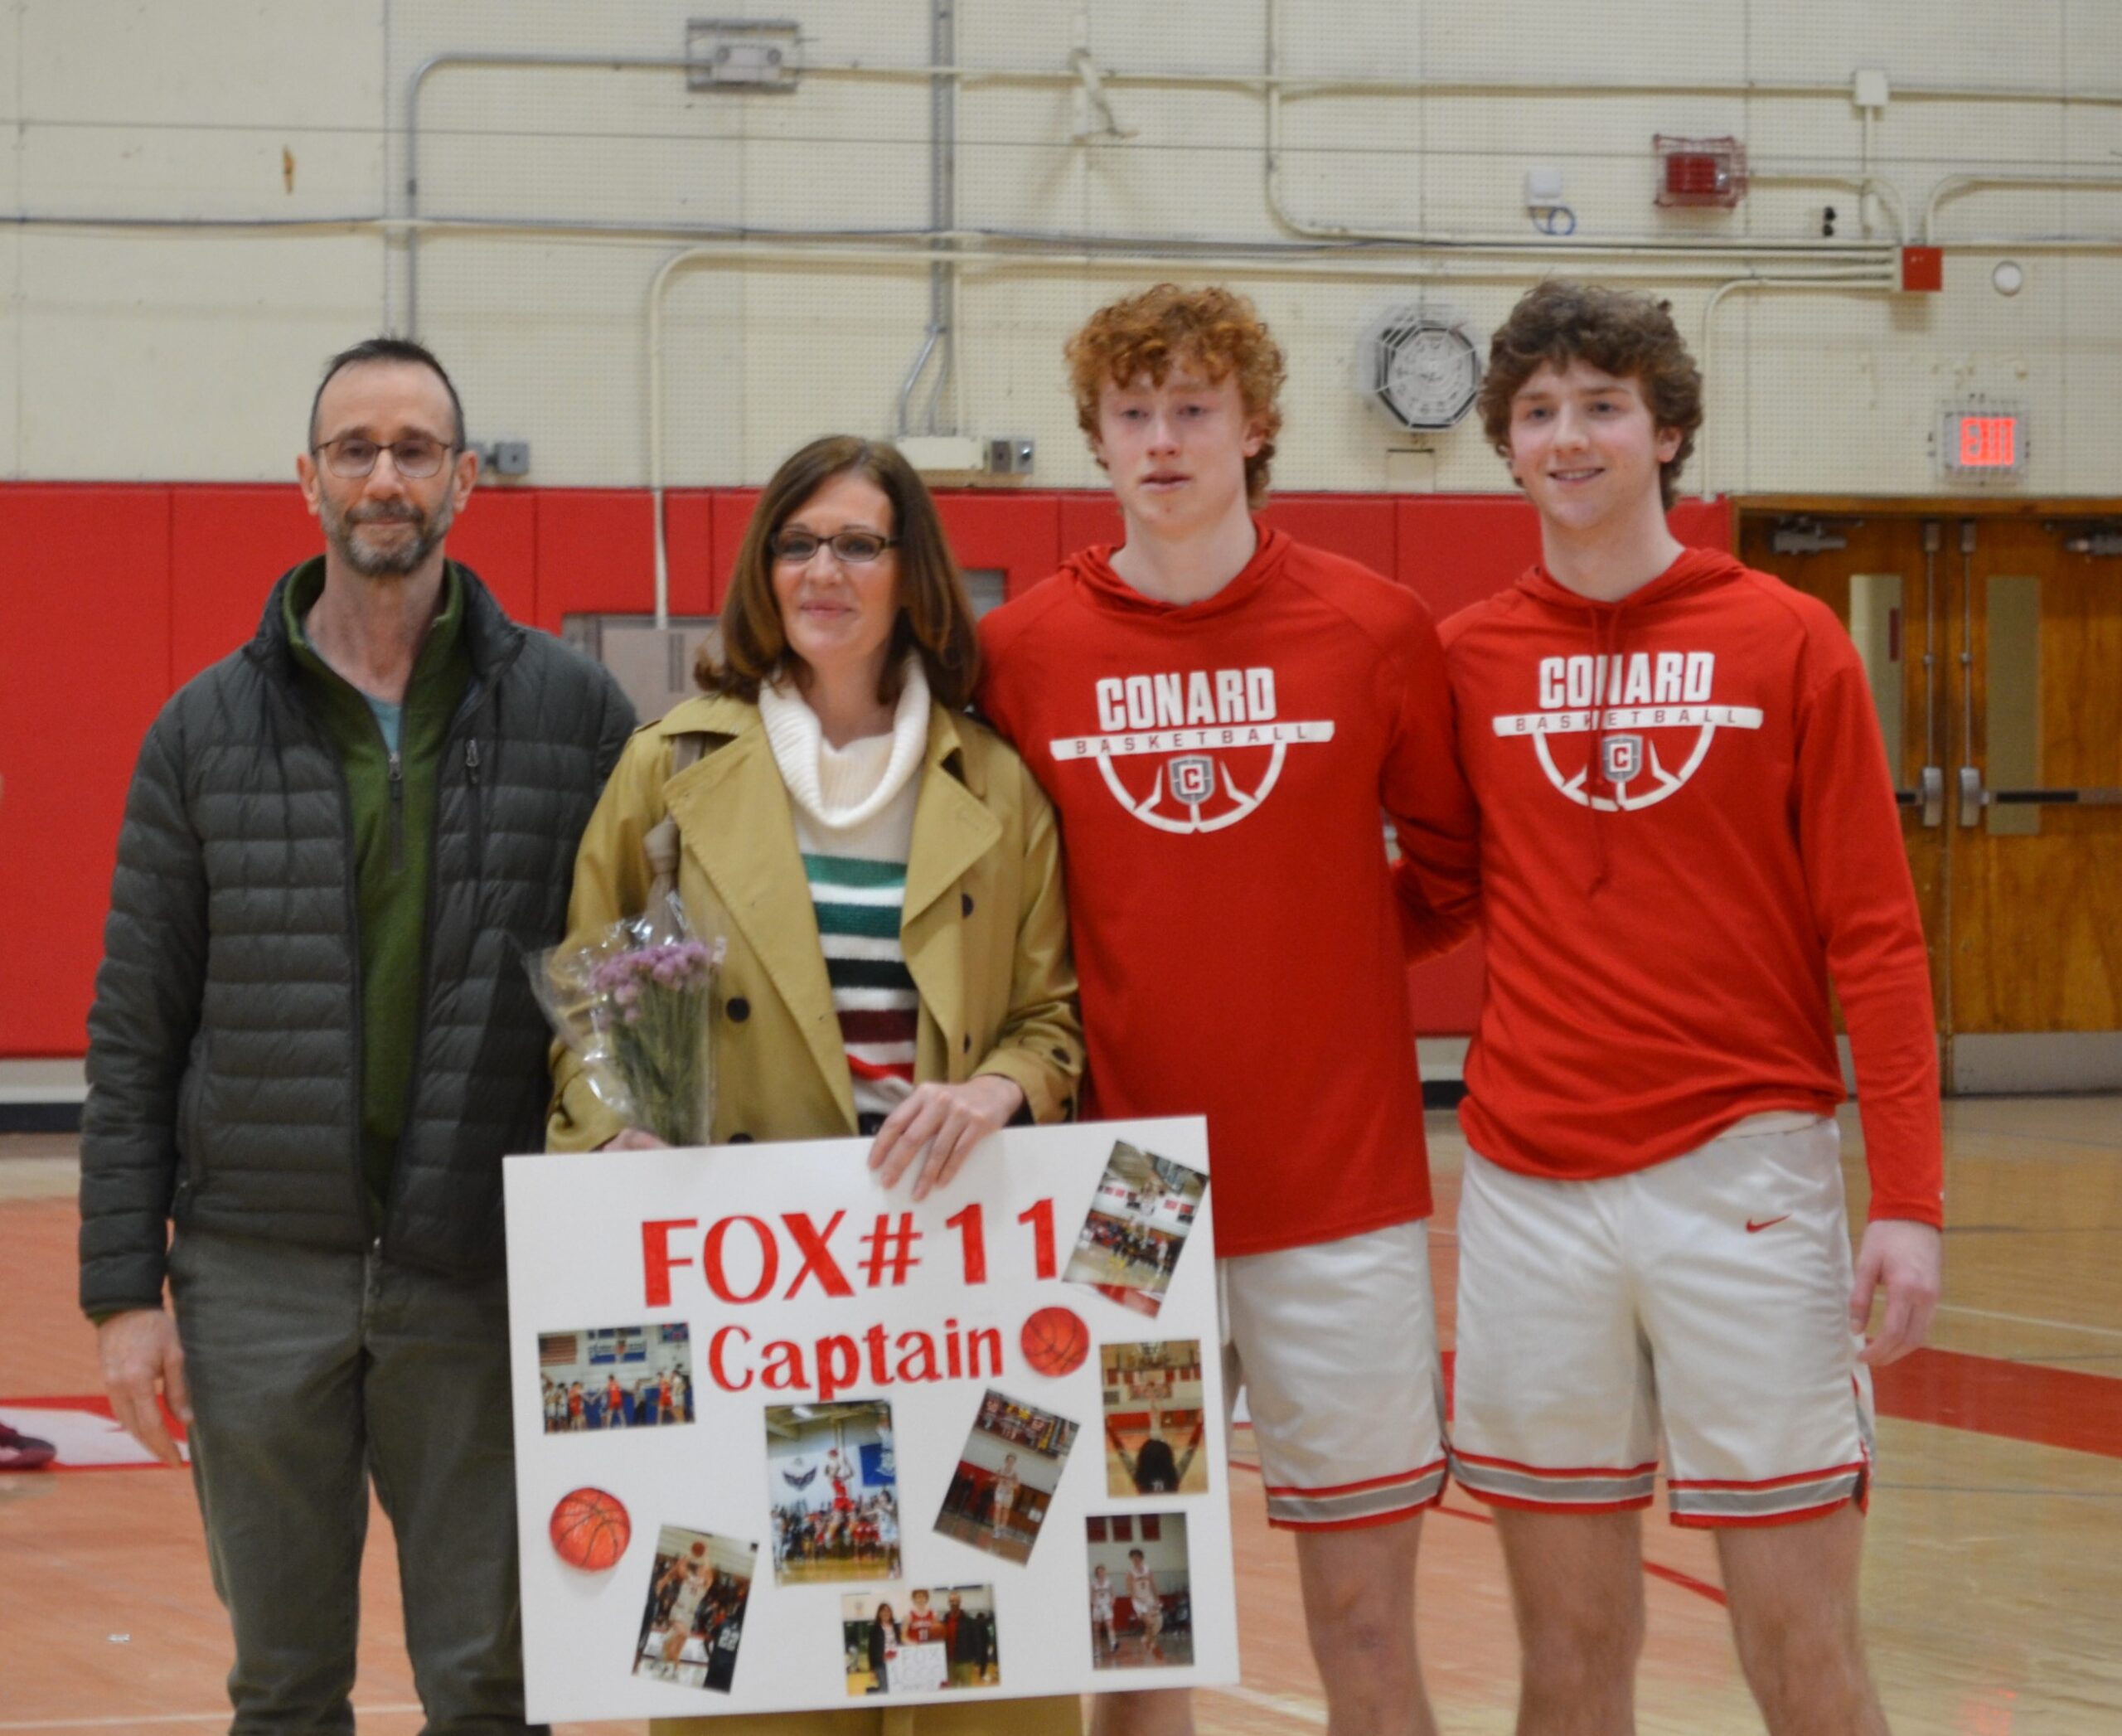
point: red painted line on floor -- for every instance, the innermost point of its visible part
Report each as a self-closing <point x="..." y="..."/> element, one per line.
<point x="2020" y="1401"/>
<point x="98" y="1407"/>
<point x="1686" y="1582"/>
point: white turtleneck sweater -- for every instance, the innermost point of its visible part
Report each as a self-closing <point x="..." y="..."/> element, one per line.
<point x="853" y="810"/>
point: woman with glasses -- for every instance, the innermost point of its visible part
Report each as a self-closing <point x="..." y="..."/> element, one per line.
<point x="882" y="867"/>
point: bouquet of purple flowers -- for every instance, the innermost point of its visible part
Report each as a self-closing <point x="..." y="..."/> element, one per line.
<point x="634" y="1007"/>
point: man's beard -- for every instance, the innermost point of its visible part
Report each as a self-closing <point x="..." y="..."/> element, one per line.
<point x="342" y="529"/>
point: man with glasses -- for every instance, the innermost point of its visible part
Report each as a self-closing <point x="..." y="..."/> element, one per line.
<point x="311" y="1044"/>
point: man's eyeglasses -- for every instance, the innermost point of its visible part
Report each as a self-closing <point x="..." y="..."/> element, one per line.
<point x="352" y="456"/>
<point x="857" y="548"/>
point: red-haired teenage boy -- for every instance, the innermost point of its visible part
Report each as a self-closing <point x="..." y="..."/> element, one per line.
<point x="1218" y="713"/>
<point x="1688" y="831"/>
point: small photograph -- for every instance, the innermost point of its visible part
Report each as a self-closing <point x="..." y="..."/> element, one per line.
<point x="1154" y="1422"/>
<point x="616" y="1377"/>
<point x="920" y="1641"/>
<point x="1141" y="1606"/>
<point x="1137" y="1227"/>
<point x="1007" y="1476"/>
<point x="833" y="1491"/>
<point x="695" y="1619"/>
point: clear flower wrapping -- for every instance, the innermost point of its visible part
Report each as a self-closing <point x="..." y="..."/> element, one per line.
<point x="635" y="1007"/>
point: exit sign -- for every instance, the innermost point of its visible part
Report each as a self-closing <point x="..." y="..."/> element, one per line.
<point x="1981" y="441"/>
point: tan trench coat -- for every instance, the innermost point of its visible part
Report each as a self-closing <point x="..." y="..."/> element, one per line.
<point x="985" y="931"/>
<point x="985" y="927"/>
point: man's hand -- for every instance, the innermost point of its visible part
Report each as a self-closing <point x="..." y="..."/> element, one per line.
<point x="140" y="1353"/>
<point x="946" y="1122"/>
<point x="1902" y="1255"/>
<point x="632" y="1139"/>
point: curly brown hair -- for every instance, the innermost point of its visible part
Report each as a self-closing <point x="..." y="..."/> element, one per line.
<point x="1618" y="331"/>
<point x="1211" y="328"/>
<point x="935" y="618"/>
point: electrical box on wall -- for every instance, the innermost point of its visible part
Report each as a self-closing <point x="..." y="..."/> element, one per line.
<point x="1981" y="441"/>
<point x="1700" y="171"/>
<point x="742" y="54"/>
<point x="967" y="455"/>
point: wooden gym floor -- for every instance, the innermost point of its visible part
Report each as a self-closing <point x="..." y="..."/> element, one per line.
<point x="1993" y="1576"/>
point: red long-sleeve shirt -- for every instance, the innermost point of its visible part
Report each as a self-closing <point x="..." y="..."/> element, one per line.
<point x="1219" y="770"/>
<point x="1688" y="828"/>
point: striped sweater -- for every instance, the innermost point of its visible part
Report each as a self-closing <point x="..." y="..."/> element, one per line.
<point x="853" y="814"/>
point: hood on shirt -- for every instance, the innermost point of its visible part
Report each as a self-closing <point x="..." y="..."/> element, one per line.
<point x="1092" y="571"/>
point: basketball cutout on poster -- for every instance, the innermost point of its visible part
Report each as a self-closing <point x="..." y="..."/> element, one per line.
<point x="1055" y="1341"/>
<point x="590" y="1529"/>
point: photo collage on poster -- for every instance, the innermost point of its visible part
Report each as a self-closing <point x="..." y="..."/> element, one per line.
<point x="1137" y="1225"/>
<point x="1153" y="1399"/>
<point x="616" y="1377"/>
<point x="832" y="1514"/>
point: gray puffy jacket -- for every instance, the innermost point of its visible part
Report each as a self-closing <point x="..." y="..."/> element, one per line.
<point x="225" y="1073"/>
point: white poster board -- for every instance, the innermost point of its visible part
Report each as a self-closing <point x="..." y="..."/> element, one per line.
<point x="785" y="1441"/>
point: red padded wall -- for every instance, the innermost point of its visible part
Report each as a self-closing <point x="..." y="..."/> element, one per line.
<point x="733" y="511"/>
<point x="84" y="619"/>
<point x="226" y="546"/>
<point x="1019" y="533"/>
<point x="597" y="553"/>
<point x="497" y="536"/>
<point x="112" y="595"/>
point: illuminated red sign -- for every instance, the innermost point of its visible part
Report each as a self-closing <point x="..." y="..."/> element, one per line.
<point x="1989" y="443"/>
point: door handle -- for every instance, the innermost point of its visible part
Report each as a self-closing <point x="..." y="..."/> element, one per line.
<point x="2086" y="796"/>
<point x="1971" y="797"/>
<point x="1934" y="795"/>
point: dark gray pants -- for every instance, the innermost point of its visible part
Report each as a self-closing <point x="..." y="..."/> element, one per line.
<point x="310" y="1372"/>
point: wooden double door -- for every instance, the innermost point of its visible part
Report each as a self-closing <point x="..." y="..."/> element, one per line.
<point x="1993" y="637"/>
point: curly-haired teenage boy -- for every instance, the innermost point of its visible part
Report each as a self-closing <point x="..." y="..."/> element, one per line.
<point x="1218" y="713"/>
<point x="1687" y="830"/>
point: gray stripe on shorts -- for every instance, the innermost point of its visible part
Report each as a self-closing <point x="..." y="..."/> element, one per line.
<point x="1357" y="1504"/>
<point x="1765" y="1503"/>
<point x="1555" y="1491"/>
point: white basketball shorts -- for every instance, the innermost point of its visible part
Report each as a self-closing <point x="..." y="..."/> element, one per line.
<point x="1336" y="1346"/>
<point x="1703" y="1300"/>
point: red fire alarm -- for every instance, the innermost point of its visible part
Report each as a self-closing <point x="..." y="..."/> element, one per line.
<point x="1922" y="269"/>
<point x="1700" y="171"/>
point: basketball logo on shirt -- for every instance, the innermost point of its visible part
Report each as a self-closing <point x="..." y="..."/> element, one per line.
<point x="1214" y="744"/>
<point x="1624" y="702"/>
<point x="1192" y="779"/>
<point x="1621" y="758"/>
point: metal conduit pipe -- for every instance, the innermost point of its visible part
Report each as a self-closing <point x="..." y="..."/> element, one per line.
<point x="1953" y="185"/>
<point x="1550" y="248"/>
<point x="1492" y="264"/>
<point x="1887" y="194"/>
<point x="941" y="342"/>
<point x="740" y="253"/>
<point x="1886" y="284"/>
<point x="1033" y="244"/>
<point x="1278" y="87"/>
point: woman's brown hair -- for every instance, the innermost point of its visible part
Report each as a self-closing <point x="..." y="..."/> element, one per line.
<point x="935" y="618"/>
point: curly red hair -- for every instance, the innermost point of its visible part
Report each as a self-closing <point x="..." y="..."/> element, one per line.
<point x="1210" y="328"/>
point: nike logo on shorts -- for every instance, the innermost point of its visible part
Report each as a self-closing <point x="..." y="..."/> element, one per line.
<point x="1754" y="1229"/>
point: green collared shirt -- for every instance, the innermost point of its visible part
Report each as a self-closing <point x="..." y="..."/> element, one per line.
<point x="392" y="795"/>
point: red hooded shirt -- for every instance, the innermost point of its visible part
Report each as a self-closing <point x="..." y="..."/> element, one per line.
<point x="1670" y="879"/>
<point x="1219" y="768"/>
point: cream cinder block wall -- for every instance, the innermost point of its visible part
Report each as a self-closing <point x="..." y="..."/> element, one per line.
<point x="133" y="346"/>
